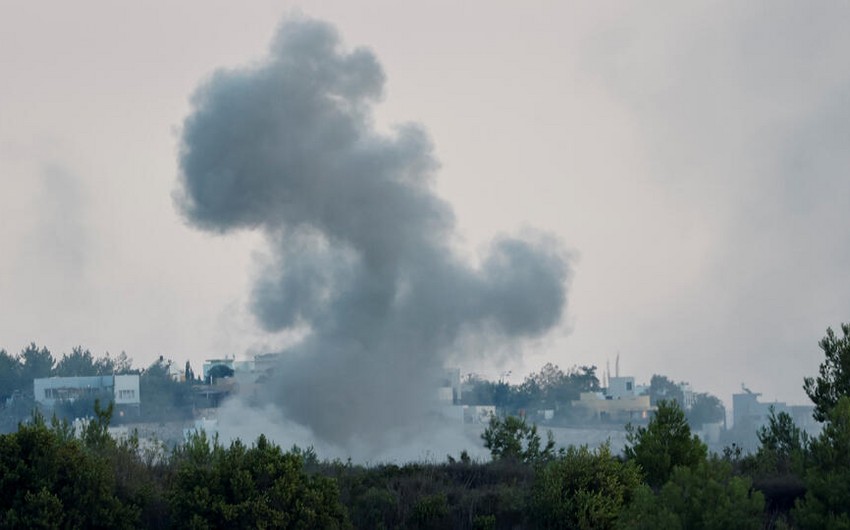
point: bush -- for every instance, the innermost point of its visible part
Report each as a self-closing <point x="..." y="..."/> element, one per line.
<point x="514" y="439"/>
<point x="583" y="489"/>
<point x="48" y="479"/>
<point x="827" y="500"/>
<point x="706" y="497"/>
<point x="256" y="487"/>
<point x="665" y="443"/>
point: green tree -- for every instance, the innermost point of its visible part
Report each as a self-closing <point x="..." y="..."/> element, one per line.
<point x="705" y="409"/>
<point x="219" y="371"/>
<point x="256" y="487"/>
<point x="37" y="364"/>
<point x="10" y="376"/>
<point x="665" y="443"/>
<point x="162" y="397"/>
<point x="827" y="500"/>
<point x="704" y="497"/>
<point x="430" y="511"/>
<point x="108" y="365"/>
<point x="583" y="489"/>
<point x="188" y="373"/>
<point x="663" y="389"/>
<point x="49" y="480"/>
<point x="558" y="387"/>
<point x="78" y="363"/>
<point x="833" y="381"/>
<point x="525" y="396"/>
<point x="514" y="439"/>
<point x="780" y="458"/>
<point x="584" y="379"/>
<point x="781" y="435"/>
<point x="479" y="391"/>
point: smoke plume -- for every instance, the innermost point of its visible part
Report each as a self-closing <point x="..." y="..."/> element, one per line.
<point x="361" y="254"/>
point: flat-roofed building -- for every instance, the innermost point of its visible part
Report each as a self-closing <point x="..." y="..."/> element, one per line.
<point x="123" y="389"/>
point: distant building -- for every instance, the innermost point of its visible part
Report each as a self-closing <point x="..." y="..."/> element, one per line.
<point x="688" y="395"/>
<point x="209" y="364"/>
<point x="597" y="406"/>
<point x="617" y="403"/>
<point x="124" y="389"/>
<point x="620" y="387"/>
<point x="449" y="388"/>
<point x="265" y="363"/>
<point x="478" y="413"/>
<point x="749" y="415"/>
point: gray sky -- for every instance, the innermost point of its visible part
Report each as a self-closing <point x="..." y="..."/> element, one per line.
<point x="693" y="158"/>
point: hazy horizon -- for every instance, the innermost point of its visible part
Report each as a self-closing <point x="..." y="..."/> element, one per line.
<point x="691" y="160"/>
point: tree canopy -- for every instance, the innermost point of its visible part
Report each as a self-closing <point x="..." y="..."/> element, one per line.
<point x="514" y="439"/>
<point x="665" y="443"/>
<point x="833" y="380"/>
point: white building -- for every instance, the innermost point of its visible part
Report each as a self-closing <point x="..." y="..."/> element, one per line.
<point x="124" y="389"/>
<point x="688" y="395"/>
<point x="620" y="387"/>
<point x="210" y="363"/>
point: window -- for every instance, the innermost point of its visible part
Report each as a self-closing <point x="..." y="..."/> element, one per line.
<point x="126" y="394"/>
<point x="628" y="385"/>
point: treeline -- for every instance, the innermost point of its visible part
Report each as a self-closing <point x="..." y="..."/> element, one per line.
<point x="162" y="397"/>
<point x="555" y="389"/>
<point x="51" y="477"/>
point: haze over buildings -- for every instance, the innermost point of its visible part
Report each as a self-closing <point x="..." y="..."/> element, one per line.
<point x="693" y="158"/>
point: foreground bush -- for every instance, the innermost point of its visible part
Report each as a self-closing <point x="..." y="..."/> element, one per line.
<point x="827" y="501"/>
<point x="50" y="479"/>
<point x="583" y="489"/>
<point x="705" y="497"/>
<point x="256" y="487"/>
<point x="664" y="444"/>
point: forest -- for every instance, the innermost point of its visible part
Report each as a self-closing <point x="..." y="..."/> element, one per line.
<point x="52" y="476"/>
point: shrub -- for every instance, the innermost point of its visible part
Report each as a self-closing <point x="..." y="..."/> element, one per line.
<point x="583" y="489"/>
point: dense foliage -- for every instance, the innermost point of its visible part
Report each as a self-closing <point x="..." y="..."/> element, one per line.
<point x="54" y="477"/>
<point x="550" y="388"/>
<point x="513" y="438"/>
<point x="665" y="444"/>
<point x="163" y="398"/>
<point x="833" y="381"/>
<point x="583" y="489"/>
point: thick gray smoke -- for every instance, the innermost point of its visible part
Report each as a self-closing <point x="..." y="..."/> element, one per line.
<point x="361" y="253"/>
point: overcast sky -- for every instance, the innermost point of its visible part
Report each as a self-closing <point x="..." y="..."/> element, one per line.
<point x="693" y="158"/>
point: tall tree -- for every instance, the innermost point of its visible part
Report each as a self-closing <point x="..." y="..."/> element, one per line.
<point x="663" y="389"/>
<point x="827" y="500"/>
<point x="49" y="480"/>
<point x="707" y="496"/>
<point x="78" y="363"/>
<point x="665" y="443"/>
<point x="514" y="439"/>
<point x="118" y="365"/>
<point x="162" y="397"/>
<point x="583" y="488"/>
<point x="833" y="382"/>
<point x="10" y="375"/>
<point x="557" y="386"/>
<point x="706" y="409"/>
<point x="37" y="363"/>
